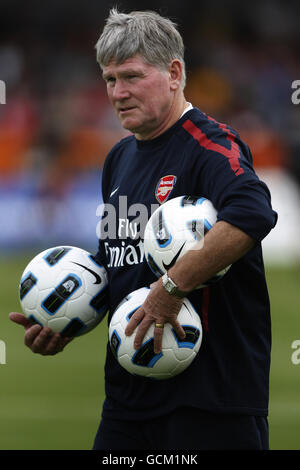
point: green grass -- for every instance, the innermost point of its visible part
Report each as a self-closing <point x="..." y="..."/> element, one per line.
<point x="284" y="418"/>
<point x="55" y="402"/>
<point x="49" y="402"/>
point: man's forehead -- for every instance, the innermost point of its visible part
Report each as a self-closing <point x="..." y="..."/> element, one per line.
<point x="130" y="62"/>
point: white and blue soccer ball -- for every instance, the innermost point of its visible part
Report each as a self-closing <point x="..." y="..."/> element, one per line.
<point x="65" y="289"/>
<point x="177" y="226"/>
<point x="176" y="355"/>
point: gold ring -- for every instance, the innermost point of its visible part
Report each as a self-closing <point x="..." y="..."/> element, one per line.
<point x="159" y="325"/>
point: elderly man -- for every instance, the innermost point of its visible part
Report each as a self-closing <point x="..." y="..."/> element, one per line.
<point x="221" y="400"/>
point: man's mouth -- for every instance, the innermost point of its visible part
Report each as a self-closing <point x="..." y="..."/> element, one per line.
<point x="126" y="109"/>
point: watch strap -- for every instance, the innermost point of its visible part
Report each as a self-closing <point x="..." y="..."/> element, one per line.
<point x="172" y="288"/>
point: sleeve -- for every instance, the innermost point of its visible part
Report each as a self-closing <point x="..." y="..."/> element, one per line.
<point x="228" y="179"/>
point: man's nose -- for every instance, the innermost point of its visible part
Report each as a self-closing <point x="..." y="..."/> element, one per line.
<point x="120" y="90"/>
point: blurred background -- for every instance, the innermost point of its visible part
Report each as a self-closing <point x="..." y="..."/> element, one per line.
<point x="56" y="128"/>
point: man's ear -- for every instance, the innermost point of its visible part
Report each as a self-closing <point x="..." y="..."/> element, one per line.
<point x="175" y="71"/>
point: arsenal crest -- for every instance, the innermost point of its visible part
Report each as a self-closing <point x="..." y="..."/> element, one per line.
<point x="164" y="188"/>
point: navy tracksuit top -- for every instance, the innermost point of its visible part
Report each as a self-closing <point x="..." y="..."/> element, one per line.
<point x="200" y="157"/>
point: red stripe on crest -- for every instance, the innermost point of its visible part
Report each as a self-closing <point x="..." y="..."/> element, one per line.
<point x="232" y="155"/>
<point x="164" y="188"/>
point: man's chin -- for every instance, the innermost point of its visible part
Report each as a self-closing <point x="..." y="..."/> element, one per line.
<point x="141" y="131"/>
<point x="130" y="126"/>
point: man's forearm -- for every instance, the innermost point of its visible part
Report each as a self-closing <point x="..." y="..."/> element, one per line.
<point x="223" y="245"/>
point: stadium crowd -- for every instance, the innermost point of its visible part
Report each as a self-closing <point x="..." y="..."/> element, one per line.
<point x="57" y="122"/>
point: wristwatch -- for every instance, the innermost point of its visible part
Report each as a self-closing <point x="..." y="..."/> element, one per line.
<point x="171" y="287"/>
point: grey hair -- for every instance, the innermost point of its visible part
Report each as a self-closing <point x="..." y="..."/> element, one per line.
<point x="146" y="33"/>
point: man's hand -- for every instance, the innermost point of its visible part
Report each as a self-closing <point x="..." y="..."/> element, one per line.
<point x="40" y="339"/>
<point x="159" y="308"/>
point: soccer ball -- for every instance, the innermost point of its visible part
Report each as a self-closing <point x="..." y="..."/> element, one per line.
<point x="65" y="289"/>
<point x="176" y="355"/>
<point x="177" y="226"/>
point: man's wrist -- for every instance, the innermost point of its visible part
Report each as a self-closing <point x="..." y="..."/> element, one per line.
<point x="171" y="287"/>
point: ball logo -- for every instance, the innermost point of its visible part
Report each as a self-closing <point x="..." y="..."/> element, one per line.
<point x="161" y="234"/>
<point x="97" y="277"/>
<point x="164" y="188"/>
<point x="69" y="285"/>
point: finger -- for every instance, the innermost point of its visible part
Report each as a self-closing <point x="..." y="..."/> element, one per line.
<point x="41" y="340"/>
<point x="35" y="336"/>
<point x="135" y="319"/>
<point x="141" y="331"/>
<point x="179" y="330"/>
<point x="55" y="345"/>
<point x="20" y="319"/>
<point x="48" y="343"/>
<point x="158" y="336"/>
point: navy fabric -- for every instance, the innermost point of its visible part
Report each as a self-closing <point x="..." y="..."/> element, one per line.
<point x="185" y="429"/>
<point x="231" y="371"/>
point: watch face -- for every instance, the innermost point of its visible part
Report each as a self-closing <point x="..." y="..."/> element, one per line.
<point x="169" y="287"/>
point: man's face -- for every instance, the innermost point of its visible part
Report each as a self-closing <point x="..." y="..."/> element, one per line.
<point x="140" y="94"/>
